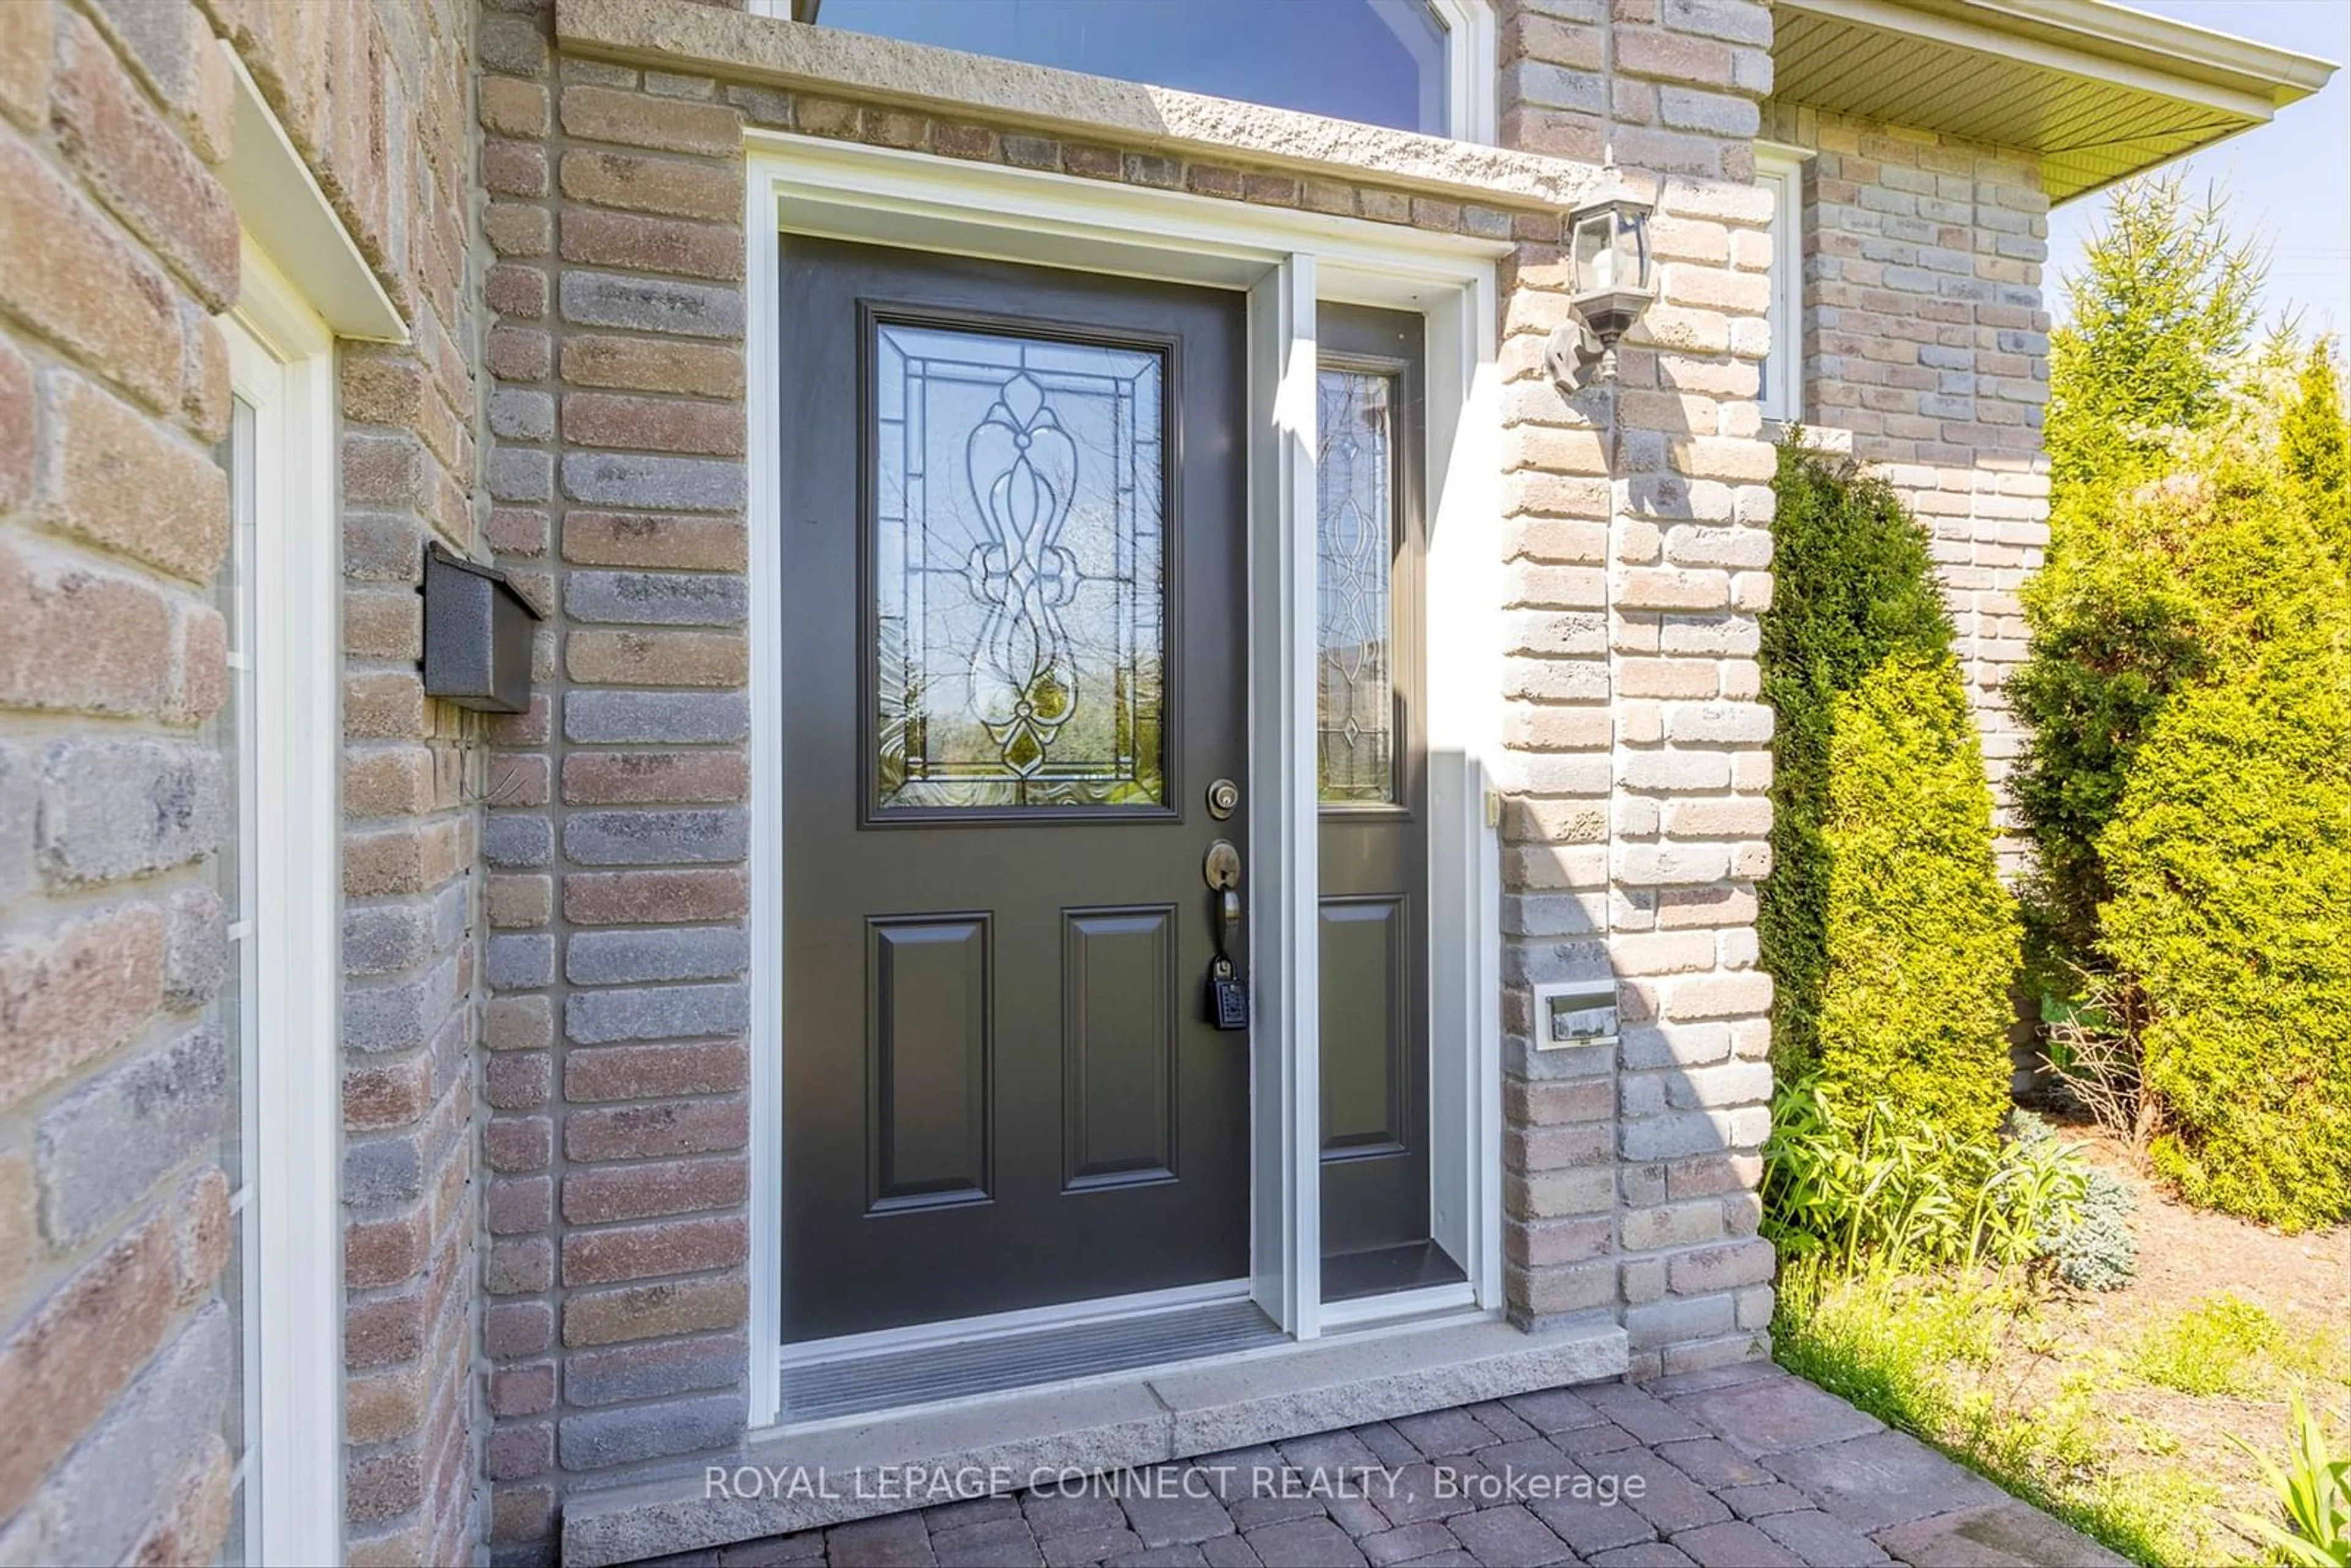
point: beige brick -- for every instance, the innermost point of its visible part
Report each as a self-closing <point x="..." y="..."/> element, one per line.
<point x="127" y="483"/>
<point x="637" y="243"/>
<point x="19" y="1241"/>
<point x="656" y="425"/>
<point x="387" y="781"/>
<point x="512" y="108"/>
<point x="669" y="186"/>
<point x="638" y="364"/>
<point x="64" y="272"/>
<point x="28" y="46"/>
<point x="653" y="1312"/>
<point x="663" y="124"/>
<point x="643" y="778"/>
<point x="120" y="631"/>
<point x="140" y="168"/>
<point x="386" y="705"/>
<point x="19" y="427"/>
<point x="657" y="658"/>
<point x="636" y="538"/>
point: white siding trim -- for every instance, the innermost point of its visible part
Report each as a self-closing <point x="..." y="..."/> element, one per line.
<point x="1781" y="170"/>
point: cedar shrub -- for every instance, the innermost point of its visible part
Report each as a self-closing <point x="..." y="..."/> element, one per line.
<point x="1883" y="924"/>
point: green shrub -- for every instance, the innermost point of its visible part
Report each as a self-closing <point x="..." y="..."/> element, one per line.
<point x="2092" y="1248"/>
<point x="1883" y="923"/>
<point x="2208" y="1348"/>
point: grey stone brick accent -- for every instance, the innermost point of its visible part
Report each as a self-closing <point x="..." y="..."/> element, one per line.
<point x="654" y="1371"/>
<point x="103" y="1148"/>
<point x="521" y="474"/>
<point x="382" y="1170"/>
<point x="673" y="953"/>
<point x="117" y="809"/>
<point x="655" y="1012"/>
<point x="632" y="718"/>
<point x="651" y="304"/>
<point x="520" y="415"/>
<point x="672" y="484"/>
<point x="655" y="838"/>
<point x="656" y="599"/>
<point x="514" y="841"/>
<point x="604" y="1438"/>
<point x="18" y="797"/>
<point x="520" y="963"/>
<point x="196" y="948"/>
<point x="402" y="1014"/>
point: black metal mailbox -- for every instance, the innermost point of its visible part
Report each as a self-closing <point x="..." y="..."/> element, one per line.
<point x="477" y="635"/>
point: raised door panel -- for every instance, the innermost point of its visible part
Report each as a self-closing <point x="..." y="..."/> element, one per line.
<point x="1118" y="1023"/>
<point x="927" y="1060"/>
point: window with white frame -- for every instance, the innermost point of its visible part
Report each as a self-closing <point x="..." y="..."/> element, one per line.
<point x="1781" y="171"/>
<point x="1411" y="64"/>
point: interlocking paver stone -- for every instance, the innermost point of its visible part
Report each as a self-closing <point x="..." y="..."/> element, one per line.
<point x="992" y="1544"/>
<point x="2007" y="1534"/>
<point x="1085" y="1546"/>
<point x="893" y="1541"/>
<point x="1776" y="1415"/>
<point x="1441" y="1433"/>
<point x="1884" y="1479"/>
<point x="1592" y="1527"/>
<point x="1649" y="1554"/>
<point x="1734" y="1541"/>
<point x="1496" y="1417"/>
<point x="1772" y="1497"/>
<point x="1711" y="1462"/>
<point x="1177" y="1520"/>
<point x="1701" y="1450"/>
<point x="1650" y="1419"/>
<point x="1306" y="1543"/>
<point x="1509" y="1535"/>
<point x="1822" y="1541"/>
<point x="1406" y="1542"/>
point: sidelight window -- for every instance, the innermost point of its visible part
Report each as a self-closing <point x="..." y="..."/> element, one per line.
<point x="1355" y="542"/>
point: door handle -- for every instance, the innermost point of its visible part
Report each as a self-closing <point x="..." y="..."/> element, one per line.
<point x="1227" y="992"/>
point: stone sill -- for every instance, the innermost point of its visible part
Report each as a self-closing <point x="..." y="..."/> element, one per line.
<point x="1138" y="1418"/>
<point x="1816" y="437"/>
<point x="686" y="34"/>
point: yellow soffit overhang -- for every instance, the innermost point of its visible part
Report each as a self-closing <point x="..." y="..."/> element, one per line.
<point x="2098" y="91"/>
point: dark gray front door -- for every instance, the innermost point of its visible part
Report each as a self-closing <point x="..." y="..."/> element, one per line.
<point x="1013" y="664"/>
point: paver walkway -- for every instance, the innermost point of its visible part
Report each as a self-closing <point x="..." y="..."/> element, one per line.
<point x="1744" y="1467"/>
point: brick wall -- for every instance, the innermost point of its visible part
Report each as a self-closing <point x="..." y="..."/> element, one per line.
<point x="1639" y="756"/>
<point x="117" y="244"/>
<point x="1925" y="337"/>
<point x="618" y="1121"/>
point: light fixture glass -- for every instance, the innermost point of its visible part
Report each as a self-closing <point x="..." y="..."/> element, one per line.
<point x="1608" y="245"/>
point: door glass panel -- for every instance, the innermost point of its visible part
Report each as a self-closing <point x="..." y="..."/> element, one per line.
<point x="1354" y="544"/>
<point x="1018" y="595"/>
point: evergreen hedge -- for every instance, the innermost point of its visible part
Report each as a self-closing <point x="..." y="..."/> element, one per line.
<point x="1883" y="924"/>
<point x="2228" y="853"/>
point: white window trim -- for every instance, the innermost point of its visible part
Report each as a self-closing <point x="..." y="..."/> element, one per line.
<point x="1781" y="170"/>
<point x="281" y="361"/>
<point x="1287" y="261"/>
<point x="1470" y="62"/>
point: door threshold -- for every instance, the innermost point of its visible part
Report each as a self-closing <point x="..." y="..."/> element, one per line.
<point x="783" y="1480"/>
<point x="950" y="1365"/>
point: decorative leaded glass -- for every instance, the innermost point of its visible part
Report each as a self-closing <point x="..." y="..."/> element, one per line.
<point x="1019" y="596"/>
<point x="1354" y="545"/>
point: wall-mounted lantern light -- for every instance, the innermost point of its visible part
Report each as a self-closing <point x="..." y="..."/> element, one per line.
<point x="1608" y="250"/>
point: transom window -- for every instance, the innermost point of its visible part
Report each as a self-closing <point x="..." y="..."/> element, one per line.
<point x="1384" y="62"/>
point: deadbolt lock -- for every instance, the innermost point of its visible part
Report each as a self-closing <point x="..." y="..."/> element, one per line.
<point x="1224" y="798"/>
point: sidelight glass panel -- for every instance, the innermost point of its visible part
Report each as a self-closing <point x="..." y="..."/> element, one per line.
<point x="1018" y="593"/>
<point x="1354" y="551"/>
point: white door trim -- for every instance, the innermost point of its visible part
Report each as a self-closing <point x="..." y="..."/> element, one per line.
<point x="281" y="361"/>
<point x="1287" y="260"/>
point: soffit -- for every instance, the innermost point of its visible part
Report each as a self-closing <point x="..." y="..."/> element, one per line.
<point x="2097" y="91"/>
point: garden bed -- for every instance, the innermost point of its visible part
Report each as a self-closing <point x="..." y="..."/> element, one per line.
<point x="2114" y="1410"/>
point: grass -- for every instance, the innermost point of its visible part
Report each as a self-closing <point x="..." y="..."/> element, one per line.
<point x="2212" y="1347"/>
<point x="1947" y="1357"/>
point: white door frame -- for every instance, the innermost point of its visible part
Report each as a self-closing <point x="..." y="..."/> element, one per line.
<point x="1287" y="261"/>
<point x="282" y="363"/>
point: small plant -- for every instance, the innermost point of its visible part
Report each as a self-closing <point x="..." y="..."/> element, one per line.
<point x="1886" y="1186"/>
<point x="2096" y="1251"/>
<point x="2315" y="1492"/>
<point x="2207" y="1349"/>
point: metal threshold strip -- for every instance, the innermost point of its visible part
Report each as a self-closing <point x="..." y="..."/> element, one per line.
<point x="873" y="1381"/>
